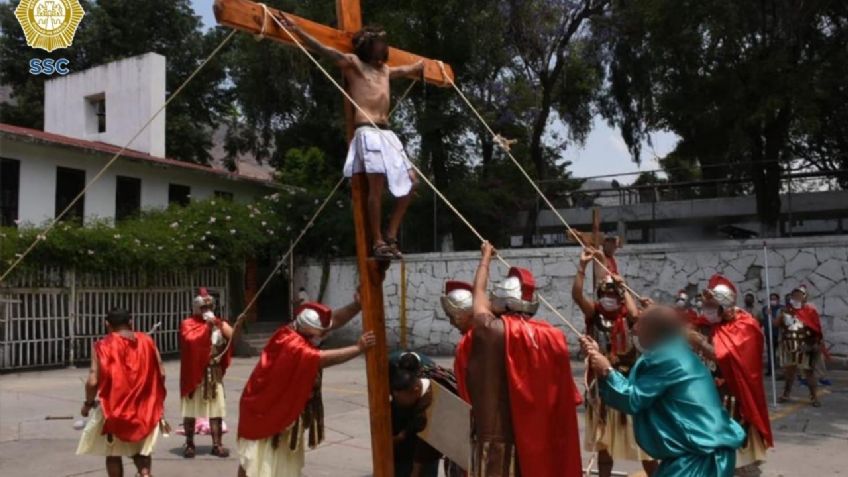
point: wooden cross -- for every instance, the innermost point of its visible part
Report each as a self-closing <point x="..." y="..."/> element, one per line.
<point x="249" y="16"/>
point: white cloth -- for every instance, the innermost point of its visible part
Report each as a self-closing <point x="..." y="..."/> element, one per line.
<point x="94" y="442"/>
<point x="197" y="406"/>
<point x="753" y="451"/>
<point x="260" y="459"/>
<point x="379" y="151"/>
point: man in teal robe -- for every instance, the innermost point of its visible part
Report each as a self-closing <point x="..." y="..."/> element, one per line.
<point x="677" y="414"/>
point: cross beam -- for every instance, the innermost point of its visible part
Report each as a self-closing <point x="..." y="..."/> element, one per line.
<point x="249" y="16"/>
<point x="246" y="15"/>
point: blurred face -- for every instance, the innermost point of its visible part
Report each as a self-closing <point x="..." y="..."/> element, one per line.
<point x="749" y="300"/>
<point x="645" y="329"/>
<point x="313" y="335"/>
<point x="711" y="310"/>
<point x="796" y="299"/>
<point x="609" y="301"/>
<point x="407" y="398"/>
<point x="379" y="50"/>
<point x="609" y="246"/>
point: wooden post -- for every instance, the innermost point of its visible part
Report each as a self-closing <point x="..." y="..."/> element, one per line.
<point x="597" y="271"/>
<point x="248" y="16"/>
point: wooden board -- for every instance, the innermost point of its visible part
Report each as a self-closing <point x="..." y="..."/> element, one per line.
<point x="247" y="16"/>
<point x="449" y="426"/>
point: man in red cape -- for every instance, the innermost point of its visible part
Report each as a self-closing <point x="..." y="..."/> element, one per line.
<point x="456" y="302"/>
<point x="126" y="372"/>
<point x="520" y="385"/>
<point x="282" y="397"/>
<point x="204" y="358"/>
<point x="609" y="317"/>
<point x="801" y="343"/>
<point x="737" y="350"/>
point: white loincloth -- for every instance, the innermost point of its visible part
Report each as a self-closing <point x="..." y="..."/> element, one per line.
<point x="617" y="437"/>
<point x="261" y="459"/>
<point x="197" y="406"/>
<point x="94" y="442"/>
<point x="379" y="151"/>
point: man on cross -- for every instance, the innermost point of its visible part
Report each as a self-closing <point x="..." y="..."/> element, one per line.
<point x="376" y="152"/>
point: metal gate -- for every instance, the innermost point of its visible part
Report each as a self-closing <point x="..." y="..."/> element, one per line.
<point x="51" y="317"/>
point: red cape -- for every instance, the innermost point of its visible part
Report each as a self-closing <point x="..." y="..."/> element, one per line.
<point x="460" y="364"/>
<point x="739" y="350"/>
<point x="280" y="385"/>
<point x="810" y="317"/>
<point x="195" y="353"/>
<point x="543" y="399"/>
<point x="130" y="384"/>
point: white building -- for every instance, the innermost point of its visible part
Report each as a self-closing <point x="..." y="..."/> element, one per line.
<point x="88" y="116"/>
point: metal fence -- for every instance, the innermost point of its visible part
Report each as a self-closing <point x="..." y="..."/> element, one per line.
<point x="52" y="316"/>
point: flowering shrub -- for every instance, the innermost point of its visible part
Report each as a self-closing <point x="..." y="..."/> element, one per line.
<point x="212" y="232"/>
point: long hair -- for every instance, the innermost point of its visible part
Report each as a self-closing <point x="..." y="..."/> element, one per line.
<point x="363" y="43"/>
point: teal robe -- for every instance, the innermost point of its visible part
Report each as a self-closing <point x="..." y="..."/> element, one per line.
<point x="677" y="414"/>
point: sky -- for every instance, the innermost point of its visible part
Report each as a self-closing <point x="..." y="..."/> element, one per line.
<point x="604" y="151"/>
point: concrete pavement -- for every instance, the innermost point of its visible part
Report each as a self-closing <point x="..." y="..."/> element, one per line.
<point x="810" y="441"/>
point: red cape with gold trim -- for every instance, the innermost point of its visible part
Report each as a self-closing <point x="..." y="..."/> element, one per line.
<point x="130" y="384"/>
<point x="460" y="364"/>
<point x="543" y="399"/>
<point x="195" y="353"/>
<point x="280" y="385"/>
<point x="739" y="349"/>
<point x="810" y="317"/>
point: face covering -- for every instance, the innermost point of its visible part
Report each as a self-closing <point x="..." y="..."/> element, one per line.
<point x="680" y="303"/>
<point x="796" y="304"/>
<point x="609" y="304"/>
<point x="316" y="341"/>
<point x="208" y="315"/>
<point x="637" y="344"/>
<point x="711" y="314"/>
<point x="774" y="303"/>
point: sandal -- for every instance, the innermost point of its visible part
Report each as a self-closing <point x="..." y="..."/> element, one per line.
<point x="220" y="451"/>
<point x="189" y="451"/>
<point x="383" y="251"/>
<point x="393" y="244"/>
<point x="782" y="399"/>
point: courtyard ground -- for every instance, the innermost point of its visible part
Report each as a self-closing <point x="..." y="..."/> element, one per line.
<point x="810" y="441"/>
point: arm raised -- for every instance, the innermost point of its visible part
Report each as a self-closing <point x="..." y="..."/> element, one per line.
<point x="338" y="356"/>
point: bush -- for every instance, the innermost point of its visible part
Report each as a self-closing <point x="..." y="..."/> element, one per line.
<point x="213" y="232"/>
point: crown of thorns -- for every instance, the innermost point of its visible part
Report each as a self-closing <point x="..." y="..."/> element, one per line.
<point x="366" y="35"/>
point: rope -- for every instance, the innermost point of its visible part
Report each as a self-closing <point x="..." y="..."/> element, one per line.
<point x="240" y="319"/>
<point x="43" y="235"/>
<point x="505" y="145"/>
<point x="402" y="97"/>
<point x="423" y="177"/>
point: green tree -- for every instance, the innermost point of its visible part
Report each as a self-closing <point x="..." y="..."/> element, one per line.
<point x="745" y="83"/>
<point x="115" y="29"/>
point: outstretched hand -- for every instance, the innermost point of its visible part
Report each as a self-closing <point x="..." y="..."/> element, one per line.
<point x="286" y="21"/>
<point x="367" y="341"/>
<point x="588" y="254"/>
<point x="487" y="250"/>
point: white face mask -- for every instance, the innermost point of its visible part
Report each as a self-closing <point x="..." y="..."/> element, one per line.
<point x="208" y="315"/>
<point x="711" y="314"/>
<point x="609" y="304"/>
<point x="316" y="341"/>
<point x="699" y="304"/>
<point x="774" y="303"/>
<point x="796" y="304"/>
<point x="637" y="344"/>
<point x="680" y="303"/>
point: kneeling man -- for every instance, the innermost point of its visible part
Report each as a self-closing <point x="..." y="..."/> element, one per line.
<point x="677" y="413"/>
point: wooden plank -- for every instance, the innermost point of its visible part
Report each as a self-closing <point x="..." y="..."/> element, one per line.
<point x="247" y="16"/>
<point x="373" y="318"/>
<point x="449" y="426"/>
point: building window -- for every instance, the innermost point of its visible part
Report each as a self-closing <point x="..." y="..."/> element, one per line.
<point x="96" y="113"/>
<point x="127" y="197"/>
<point x="10" y="186"/>
<point x="224" y="195"/>
<point x="69" y="184"/>
<point x="179" y="195"/>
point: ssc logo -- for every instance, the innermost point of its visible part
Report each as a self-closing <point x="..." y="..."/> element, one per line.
<point x="49" y="24"/>
<point x="48" y="66"/>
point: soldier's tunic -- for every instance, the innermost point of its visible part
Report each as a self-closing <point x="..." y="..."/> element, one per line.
<point x="801" y="335"/>
<point x="607" y="428"/>
<point x="202" y="376"/>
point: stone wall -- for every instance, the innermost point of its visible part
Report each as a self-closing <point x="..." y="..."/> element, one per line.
<point x="657" y="270"/>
